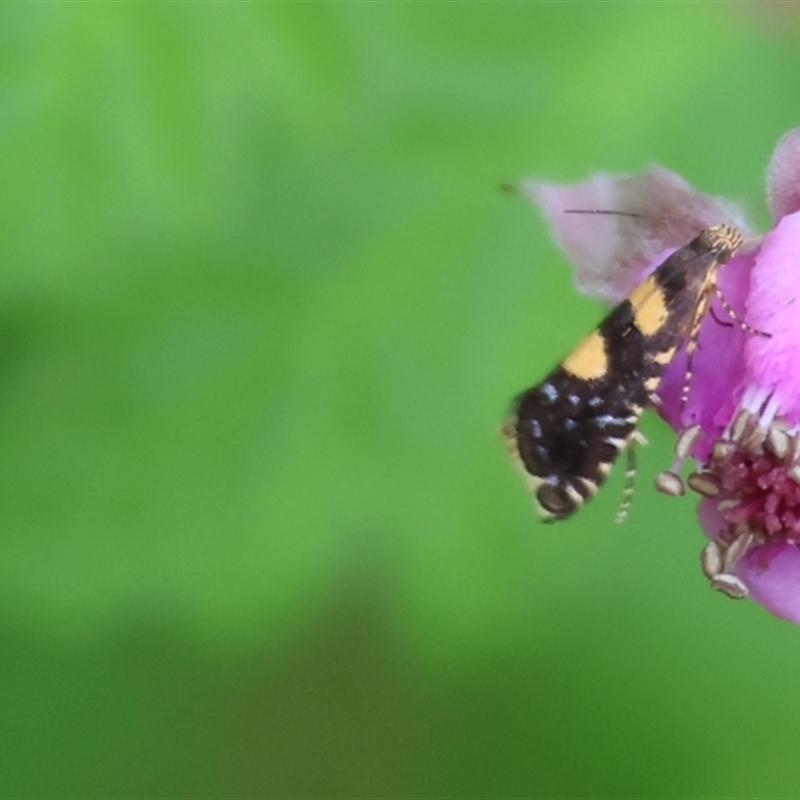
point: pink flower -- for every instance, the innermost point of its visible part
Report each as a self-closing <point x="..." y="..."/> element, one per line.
<point x="741" y="423"/>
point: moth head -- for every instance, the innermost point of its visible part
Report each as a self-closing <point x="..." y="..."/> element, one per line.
<point x="723" y="240"/>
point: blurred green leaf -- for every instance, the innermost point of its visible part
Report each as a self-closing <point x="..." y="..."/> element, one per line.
<point x="262" y="307"/>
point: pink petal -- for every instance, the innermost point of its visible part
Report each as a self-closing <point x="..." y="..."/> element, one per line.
<point x="772" y="573"/>
<point x="773" y="306"/>
<point x="612" y="254"/>
<point x="783" y="176"/>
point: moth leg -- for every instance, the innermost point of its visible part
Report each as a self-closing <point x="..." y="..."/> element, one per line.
<point x="703" y="304"/>
<point x="718" y="320"/>
<point x="655" y="400"/>
<point x="630" y="476"/>
<point x="691" y="346"/>
<point x="731" y="312"/>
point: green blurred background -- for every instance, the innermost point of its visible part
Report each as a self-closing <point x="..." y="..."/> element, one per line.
<point x="262" y="307"/>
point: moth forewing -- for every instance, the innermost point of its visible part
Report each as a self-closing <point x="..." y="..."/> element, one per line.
<point x="567" y="431"/>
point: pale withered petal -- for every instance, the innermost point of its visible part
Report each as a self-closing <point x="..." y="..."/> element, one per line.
<point x="613" y="253"/>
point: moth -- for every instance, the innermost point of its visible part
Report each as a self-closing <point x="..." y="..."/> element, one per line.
<point x="567" y="431"/>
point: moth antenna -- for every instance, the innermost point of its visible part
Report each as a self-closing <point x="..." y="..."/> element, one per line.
<point x="601" y="211"/>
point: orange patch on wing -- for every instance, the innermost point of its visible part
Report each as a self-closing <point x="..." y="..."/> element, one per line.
<point x="588" y="361"/>
<point x="650" y="310"/>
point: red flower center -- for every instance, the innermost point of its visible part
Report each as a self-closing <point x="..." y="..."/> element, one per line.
<point x="754" y="476"/>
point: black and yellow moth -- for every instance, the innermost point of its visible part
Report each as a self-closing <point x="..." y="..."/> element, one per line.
<point x="567" y="431"/>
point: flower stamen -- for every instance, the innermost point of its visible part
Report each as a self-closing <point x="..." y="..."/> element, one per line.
<point x="752" y="480"/>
